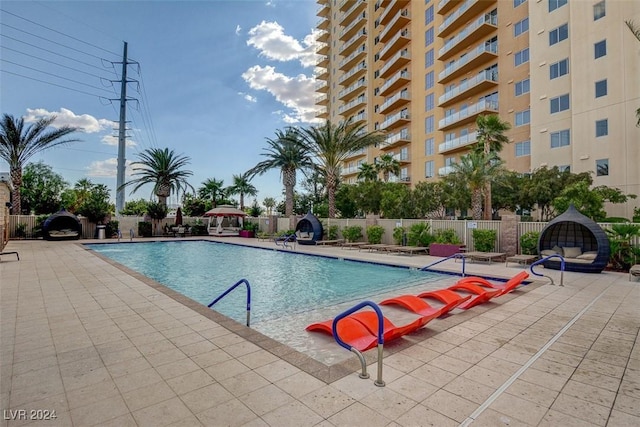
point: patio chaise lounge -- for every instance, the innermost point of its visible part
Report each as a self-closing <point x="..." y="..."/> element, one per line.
<point x="505" y="288"/>
<point x="350" y="331"/>
<point x="482" y="294"/>
<point x="449" y="298"/>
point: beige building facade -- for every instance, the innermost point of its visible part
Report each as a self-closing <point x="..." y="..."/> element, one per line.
<point x="423" y="71"/>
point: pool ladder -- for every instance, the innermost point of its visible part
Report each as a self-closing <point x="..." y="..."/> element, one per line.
<point x="454" y="256"/>
<point x="540" y="261"/>
<point x="225" y="293"/>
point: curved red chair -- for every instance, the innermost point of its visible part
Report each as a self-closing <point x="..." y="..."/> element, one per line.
<point x="507" y="287"/>
<point x="449" y="298"/>
<point x="482" y="294"/>
<point x="350" y="331"/>
<point x="370" y="321"/>
<point x="415" y="305"/>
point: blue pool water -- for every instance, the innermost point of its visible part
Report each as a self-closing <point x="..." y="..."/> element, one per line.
<point x="282" y="283"/>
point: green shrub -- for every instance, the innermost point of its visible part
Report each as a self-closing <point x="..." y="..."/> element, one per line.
<point x="111" y="228"/>
<point x="623" y="253"/>
<point x="374" y="234"/>
<point x="420" y="235"/>
<point x="484" y="240"/>
<point x="529" y="243"/>
<point x="21" y="230"/>
<point x="251" y="226"/>
<point x="144" y="229"/>
<point x="352" y="233"/>
<point x="446" y="236"/>
<point x="398" y="235"/>
<point x="615" y="220"/>
<point x="332" y="232"/>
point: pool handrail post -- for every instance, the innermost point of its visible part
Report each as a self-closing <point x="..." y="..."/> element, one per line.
<point x="461" y="256"/>
<point x="238" y="283"/>
<point x="542" y="260"/>
<point x="334" y="328"/>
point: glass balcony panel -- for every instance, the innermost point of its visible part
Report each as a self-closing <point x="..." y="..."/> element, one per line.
<point x="398" y="41"/>
<point x="457" y="143"/>
<point x="481" y="53"/>
<point x="396" y="61"/>
<point x="479" y="28"/>
<point x="468" y="113"/>
<point x="481" y="81"/>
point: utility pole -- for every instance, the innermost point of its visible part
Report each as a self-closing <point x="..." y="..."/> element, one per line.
<point x="122" y="138"/>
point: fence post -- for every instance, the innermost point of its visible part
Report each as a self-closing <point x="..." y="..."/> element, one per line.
<point x="508" y="239"/>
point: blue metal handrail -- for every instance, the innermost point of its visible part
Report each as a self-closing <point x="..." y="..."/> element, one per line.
<point x="291" y="238"/>
<point x="238" y="283"/>
<point x="380" y="337"/>
<point x="461" y="256"/>
<point x="540" y="261"/>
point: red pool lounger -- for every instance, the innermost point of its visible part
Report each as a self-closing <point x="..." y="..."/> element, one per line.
<point x="370" y="321"/>
<point x="449" y="298"/>
<point x="350" y="331"/>
<point x="510" y="285"/>
<point x="482" y="294"/>
<point x="415" y="305"/>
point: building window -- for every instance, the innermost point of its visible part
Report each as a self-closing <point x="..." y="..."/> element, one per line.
<point x="564" y="168"/>
<point x="602" y="167"/>
<point x="558" y="34"/>
<point x="522" y="87"/>
<point x="600" y="49"/>
<point x="429" y="102"/>
<point x="428" y="37"/>
<point x="429" y="147"/>
<point x="523" y="118"/>
<point x="521" y="27"/>
<point x="559" y="103"/>
<point x="429" y="169"/>
<point x="602" y="127"/>
<point x="599" y="10"/>
<point x="429" y="125"/>
<point x="428" y="58"/>
<point x="560" y="139"/>
<point x="523" y="148"/>
<point x="601" y="88"/>
<point x="429" y="80"/>
<point x="522" y="56"/>
<point x="554" y="4"/>
<point x="559" y="69"/>
<point x="428" y="15"/>
<point x="517" y="3"/>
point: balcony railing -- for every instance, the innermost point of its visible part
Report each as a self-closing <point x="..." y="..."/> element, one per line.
<point x="355" y="22"/>
<point x="391" y="43"/>
<point x="393" y="138"/>
<point x="346" y="45"/>
<point x="357" y="69"/>
<point x="486" y="75"/>
<point x="356" y="4"/>
<point x="356" y="85"/>
<point x="469" y="111"/>
<point x="394" y="98"/>
<point x="402" y="115"/>
<point x="455" y="15"/>
<point x="479" y="50"/>
<point x="401" y="178"/>
<point x="401" y="157"/>
<point x="403" y="14"/>
<point x="404" y="74"/>
<point x="486" y="19"/>
<point x="355" y="153"/>
<point x="404" y="53"/>
<point x="446" y="170"/>
<point x="346" y="107"/>
<point x="349" y="58"/>
<point x="459" y="142"/>
<point x="320" y="85"/>
<point x="351" y="170"/>
<point x="321" y="98"/>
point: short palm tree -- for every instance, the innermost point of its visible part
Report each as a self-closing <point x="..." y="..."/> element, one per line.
<point x="269" y="203"/>
<point x="242" y="186"/>
<point x="388" y="165"/>
<point x="367" y="172"/>
<point x="286" y="154"/>
<point x="163" y="169"/>
<point x="212" y="188"/>
<point x="18" y="144"/>
<point x="330" y="145"/>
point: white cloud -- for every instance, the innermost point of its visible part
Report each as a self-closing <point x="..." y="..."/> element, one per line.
<point x="113" y="140"/>
<point x="106" y="168"/>
<point x="296" y="93"/>
<point x="85" y="122"/>
<point x="269" y="38"/>
<point x="248" y="97"/>
<point x="238" y="30"/>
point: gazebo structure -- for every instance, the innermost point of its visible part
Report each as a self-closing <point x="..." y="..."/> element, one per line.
<point x="225" y="220"/>
<point x="309" y="230"/>
<point x="580" y="240"/>
<point x="62" y="225"/>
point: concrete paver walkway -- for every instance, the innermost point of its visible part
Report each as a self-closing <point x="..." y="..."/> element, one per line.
<point x="100" y="345"/>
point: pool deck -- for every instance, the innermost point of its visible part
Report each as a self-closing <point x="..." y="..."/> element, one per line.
<point x="101" y="345"/>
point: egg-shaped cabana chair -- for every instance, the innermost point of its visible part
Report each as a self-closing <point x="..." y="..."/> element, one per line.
<point x="309" y="230"/>
<point x="62" y="225"/>
<point x="580" y="240"/>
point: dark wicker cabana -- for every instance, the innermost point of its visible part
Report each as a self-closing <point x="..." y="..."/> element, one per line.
<point x="581" y="241"/>
<point x="62" y="226"/>
<point x="309" y="230"/>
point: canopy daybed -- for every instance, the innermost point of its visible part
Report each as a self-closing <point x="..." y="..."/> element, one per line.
<point x="62" y="225"/>
<point x="309" y="230"/>
<point x="582" y="243"/>
<point x="225" y="220"/>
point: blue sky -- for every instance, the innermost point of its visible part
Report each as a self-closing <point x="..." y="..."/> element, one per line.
<point x="216" y="79"/>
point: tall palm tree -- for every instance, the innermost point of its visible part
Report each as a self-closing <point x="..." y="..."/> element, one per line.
<point x="269" y="203"/>
<point x="242" y="187"/>
<point x="18" y="144"/>
<point x="476" y="170"/>
<point x="490" y="131"/>
<point x="163" y="169"/>
<point x="388" y="165"/>
<point x="635" y="29"/>
<point x="367" y="172"/>
<point x="330" y="145"/>
<point x="212" y="188"/>
<point x="286" y="154"/>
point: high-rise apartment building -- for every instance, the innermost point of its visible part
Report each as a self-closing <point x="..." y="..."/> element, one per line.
<point x="564" y="73"/>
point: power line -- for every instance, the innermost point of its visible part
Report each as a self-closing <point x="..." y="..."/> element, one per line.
<point x="52" y="84"/>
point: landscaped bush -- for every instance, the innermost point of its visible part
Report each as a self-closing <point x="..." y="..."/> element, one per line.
<point x="352" y="233"/>
<point x="398" y="235"/>
<point x="21" y="230"/>
<point x="332" y="232"/>
<point x="446" y="236"/>
<point x="484" y="240"/>
<point x="623" y="253"/>
<point x="144" y="229"/>
<point x="420" y="235"/>
<point x="111" y="228"/>
<point x="529" y="243"/>
<point x="374" y="234"/>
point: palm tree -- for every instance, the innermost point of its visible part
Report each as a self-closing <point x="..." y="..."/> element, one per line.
<point x="476" y="170"/>
<point x="635" y="29"/>
<point x="388" y="165"/>
<point x="330" y="145"/>
<point x="367" y="172"/>
<point x="212" y="188"/>
<point x="18" y="144"/>
<point x="269" y="203"/>
<point x="242" y="186"/>
<point x="491" y="138"/>
<point x="163" y="169"/>
<point x="286" y="154"/>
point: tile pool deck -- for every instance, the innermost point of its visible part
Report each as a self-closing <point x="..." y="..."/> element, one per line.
<point x="101" y="345"/>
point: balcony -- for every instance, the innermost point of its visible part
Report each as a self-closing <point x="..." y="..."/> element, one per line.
<point x="323" y="61"/>
<point x="322" y="86"/>
<point x="390" y="10"/>
<point x="401" y="20"/>
<point x="468" y="114"/>
<point x="358" y="119"/>
<point x="395" y="62"/>
<point x="483" y="81"/>
<point x="446" y="170"/>
<point x="465" y="12"/>
<point x="395" y="82"/>
<point x="398" y="41"/>
<point x="322" y="99"/>
<point x="444" y="6"/>
<point x="323" y="36"/>
<point x="351" y="60"/>
<point x="323" y="49"/>
<point x="356" y="153"/>
<point x="344" y="5"/>
<point x="323" y="9"/>
<point x="354" y="26"/>
<point x="352" y="90"/>
<point x="401" y="178"/>
<point x="354" y="74"/>
<point x="395" y="101"/>
<point x="348" y="108"/>
<point x="347" y="46"/>
<point x="459" y="143"/>
<point x="349" y="14"/>
<point x="322" y="113"/>
<point x="478" y="29"/>
<point x="322" y="24"/>
<point x="321" y="73"/>
<point x="350" y="171"/>
<point x="396" y="139"/>
<point x="401" y="157"/>
<point x="476" y="57"/>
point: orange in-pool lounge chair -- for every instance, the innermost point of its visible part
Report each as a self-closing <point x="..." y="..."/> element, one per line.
<point x="415" y="305"/>
<point x="449" y="298"/>
<point x="350" y="331"/>
<point x="483" y="294"/>
<point x="370" y="321"/>
<point x="510" y="285"/>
